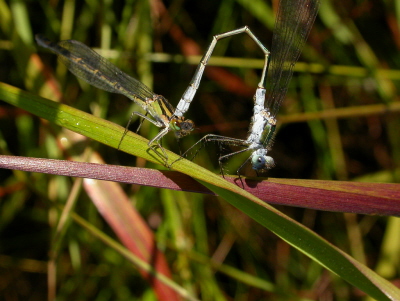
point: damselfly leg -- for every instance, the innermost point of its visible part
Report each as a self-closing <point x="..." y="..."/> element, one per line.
<point x="88" y="65"/>
<point x="292" y="26"/>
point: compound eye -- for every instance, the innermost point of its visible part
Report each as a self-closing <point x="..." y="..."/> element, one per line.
<point x="269" y="162"/>
<point x="258" y="162"/>
<point x="187" y="126"/>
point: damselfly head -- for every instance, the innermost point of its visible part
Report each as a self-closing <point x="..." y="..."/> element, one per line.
<point x="260" y="161"/>
<point x="181" y="126"/>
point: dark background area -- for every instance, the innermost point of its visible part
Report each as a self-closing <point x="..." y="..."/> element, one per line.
<point x="351" y="62"/>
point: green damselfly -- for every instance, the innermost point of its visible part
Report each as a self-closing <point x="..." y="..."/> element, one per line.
<point x="88" y="65"/>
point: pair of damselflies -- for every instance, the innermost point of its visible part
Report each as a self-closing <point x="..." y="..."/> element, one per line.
<point x="88" y="65"/>
<point x="293" y="24"/>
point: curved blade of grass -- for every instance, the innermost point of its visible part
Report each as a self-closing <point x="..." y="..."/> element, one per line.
<point x="85" y="124"/>
<point x="289" y="230"/>
<point x="133" y="231"/>
<point x="130" y="256"/>
<point x="80" y="122"/>
<point x="340" y="196"/>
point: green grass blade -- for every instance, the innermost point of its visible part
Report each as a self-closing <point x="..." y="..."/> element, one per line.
<point x="289" y="230"/>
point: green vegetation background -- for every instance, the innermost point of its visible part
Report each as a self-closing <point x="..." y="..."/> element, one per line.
<point x="350" y="65"/>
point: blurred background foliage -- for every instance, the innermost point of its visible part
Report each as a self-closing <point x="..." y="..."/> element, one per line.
<point x="339" y="121"/>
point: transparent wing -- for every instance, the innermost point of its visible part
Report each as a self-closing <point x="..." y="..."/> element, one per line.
<point x="88" y="65"/>
<point x="292" y="26"/>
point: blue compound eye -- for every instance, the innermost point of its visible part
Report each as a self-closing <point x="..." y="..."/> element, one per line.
<point x="262" y="162"/>
<point x="258" y="162"/>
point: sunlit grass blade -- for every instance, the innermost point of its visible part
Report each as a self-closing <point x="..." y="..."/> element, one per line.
<point x="292" y="232"/>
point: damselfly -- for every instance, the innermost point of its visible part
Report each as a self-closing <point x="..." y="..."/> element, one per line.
<point x="88" y="65"/>
<point x="292" y="26"/>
